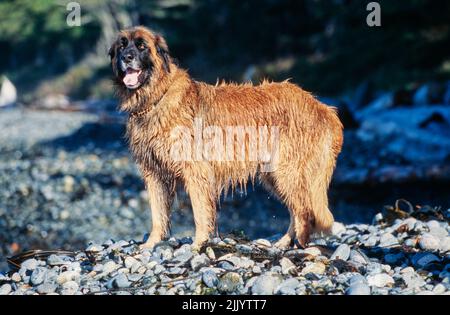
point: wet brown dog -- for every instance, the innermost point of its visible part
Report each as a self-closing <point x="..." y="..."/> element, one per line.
<point x="276" y="132"/>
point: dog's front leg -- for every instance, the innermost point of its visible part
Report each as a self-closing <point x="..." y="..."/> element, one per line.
<point x="161" y="194"/>
<point x="203" y="203"/>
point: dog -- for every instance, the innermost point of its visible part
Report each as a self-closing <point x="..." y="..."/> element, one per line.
<point x="161" y="99"/>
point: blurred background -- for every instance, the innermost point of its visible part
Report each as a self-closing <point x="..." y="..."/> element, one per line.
<point x="66" y="176"/>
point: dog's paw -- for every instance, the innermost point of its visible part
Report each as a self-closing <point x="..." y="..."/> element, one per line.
<point x="149" y="245"/>
<point x="284" y="243"/>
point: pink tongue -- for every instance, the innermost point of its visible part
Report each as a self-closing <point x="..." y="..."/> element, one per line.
<point x="131" y="78"/>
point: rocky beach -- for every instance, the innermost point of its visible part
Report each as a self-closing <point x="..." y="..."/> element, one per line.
<point x="73" y="210"/>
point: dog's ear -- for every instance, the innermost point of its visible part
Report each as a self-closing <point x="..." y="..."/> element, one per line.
<point x="112" y="51"/>
<point x="163" y="51"/>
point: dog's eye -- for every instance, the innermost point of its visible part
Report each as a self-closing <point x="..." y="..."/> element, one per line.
<point x="123" y="42"/>
<point x="141" y="46"/>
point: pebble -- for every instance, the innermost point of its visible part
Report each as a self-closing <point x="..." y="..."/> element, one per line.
<point x="210" y="279"/>
<point x="46" y="288"/>
<point x="287" y="287"/>
<point x="243" y="248"/>
<point x="30" y="264"/>
<point x="210" y="253"/>
<point x="230" y="282"/>
<point x="69" y="288"/>
<point x="199" y="261"/>
<point x="358" y="257"/>
<point x="393" y="259"/>
<point x="16" y="277"/>
<point x="358" y="278"/>
<point x="388" y="240"/>
<point x="358" y="289"/>
<point x="380" y="280"/>
<point x="262" y="243"/>
<point x="413" y="280"/>
<point x="314" y="251"/>
<point x="5" y="289"/>
<point x="54" y="260"/>
<point x="286" y="265"/>
<point x="266" y="284"/>
<point x="313" y="267"/>
<point x="429" y="242"/>
<point x="95" y="248"/>
<point x="337" y="228"/>
<point x="120" y="281"/>
<point x="130" y="261"/>
<point x="342" y="252"/>
<point x="67" y="276"/>
<point x="421" y="260"/>
<point x="38" y="275"/>
<point x="110" y="266"/>
<point x="438" y="289"/>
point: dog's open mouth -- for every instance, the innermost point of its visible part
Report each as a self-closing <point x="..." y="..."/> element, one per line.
<point x="131" y="78"/>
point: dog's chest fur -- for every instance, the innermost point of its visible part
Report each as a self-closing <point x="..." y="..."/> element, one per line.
<point x="149" y="135"/>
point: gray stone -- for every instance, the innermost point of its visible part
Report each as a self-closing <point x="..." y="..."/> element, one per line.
<point x="266" y="284"/>
<point x="69" y="288"/>
<point x="68" y="276"/>
<point x="46" y="288"/>
<point x="158" y="269"/>
<point x="388" y="240"/>
<point x="245" y="249"/>
<point x="38" y="275"/>
<point x="439" y="289"/>
<point x="30" y="264"/>
<point x="287" y="287"/>
<point x="16" y="277"/>
<point x="337" y="228"/>
<point x="230" y="241"/>
<point x="199" y="261"/>
<point x="182" y="257"/>
<point x="135" y="277"/>
<point x="210" y="253"/>
<point x="445" y="245"/>
<point x="358" y="289"/>
<point x="95" y="248"/>
<point x="230" y="282"/>
<point x="5" y="289"/>
<point x="262" y="243"/>
<point x="342" y="252"/>
<point x="380" y="280"/>
<point x="286" y="265"/>
<point x="130" y="261"/>
<point x="413" y="280"/>
<point x="429" y="242"/>
<point x="210" y="279"/>
<point x="357" y="278"/>
<point x="121" y="281"/>
<point x="313" y="267"/>
<point x="371" y="241"/>
<point x="54" y="260"/>
<point x="358" y="257"/>
<point x="109" y="267"/>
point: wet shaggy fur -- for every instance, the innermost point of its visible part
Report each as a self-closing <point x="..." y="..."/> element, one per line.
<point x="310" y="138"/>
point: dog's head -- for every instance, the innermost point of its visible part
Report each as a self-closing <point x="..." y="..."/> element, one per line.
<point x="137" y="56"/>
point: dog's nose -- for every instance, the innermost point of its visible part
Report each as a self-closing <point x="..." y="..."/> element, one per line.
<point x="129" y="57"/>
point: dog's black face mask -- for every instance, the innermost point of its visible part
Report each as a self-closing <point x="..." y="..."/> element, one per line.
<point x="132" y="60"/>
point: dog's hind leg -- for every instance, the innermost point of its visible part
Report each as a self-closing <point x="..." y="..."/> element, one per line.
<point x="269" y="184"/>
<point x="161" y="194"/>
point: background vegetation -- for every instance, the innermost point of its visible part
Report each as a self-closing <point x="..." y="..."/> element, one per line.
<point x="325" y="46"/>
